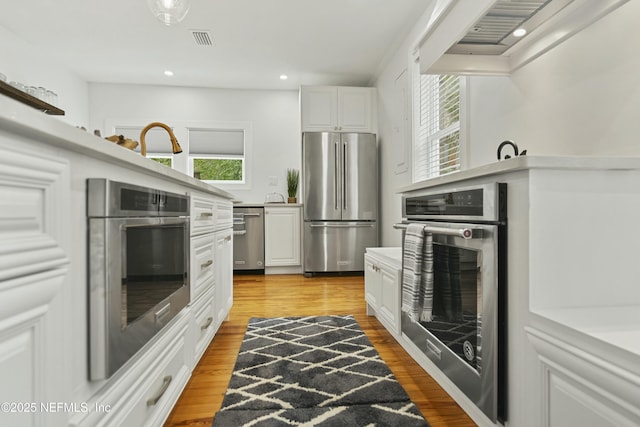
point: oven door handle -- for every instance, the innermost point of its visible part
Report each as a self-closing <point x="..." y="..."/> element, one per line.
<point x="465" y="233"/>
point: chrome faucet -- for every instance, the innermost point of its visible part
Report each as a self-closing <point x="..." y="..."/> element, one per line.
<point x="174" y="142"/>
<point x="515" y="150"/>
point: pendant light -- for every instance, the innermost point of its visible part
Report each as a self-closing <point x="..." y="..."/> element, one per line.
<point x="169" y="12"/>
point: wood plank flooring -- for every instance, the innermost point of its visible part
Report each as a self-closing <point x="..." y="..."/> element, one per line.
<point x="295" y="295"/>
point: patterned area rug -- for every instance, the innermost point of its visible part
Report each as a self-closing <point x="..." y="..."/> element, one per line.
<point x="313" y="371"/>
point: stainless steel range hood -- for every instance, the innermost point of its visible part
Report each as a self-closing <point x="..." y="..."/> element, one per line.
<point x="492" y="33"/>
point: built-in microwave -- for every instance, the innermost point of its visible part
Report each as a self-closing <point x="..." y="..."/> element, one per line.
<point x="138" y="246"/>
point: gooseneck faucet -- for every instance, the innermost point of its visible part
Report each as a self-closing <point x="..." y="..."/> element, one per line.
<point x="174" y="142"/>
<point x="501" y="146"/>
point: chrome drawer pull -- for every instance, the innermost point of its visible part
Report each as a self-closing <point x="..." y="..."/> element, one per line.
<point x="206" y="325"/>
<point x="206" y="264"/>
<point x="165" y="385"/>
<point x="205" y="214"/>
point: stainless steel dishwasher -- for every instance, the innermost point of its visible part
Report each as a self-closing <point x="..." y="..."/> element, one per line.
<point x="248" y="240"/>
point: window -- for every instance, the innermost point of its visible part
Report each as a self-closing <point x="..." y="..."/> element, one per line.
<point x="437" y="139"/>
<point x="217" y="154"/>
<point x="215" y="151"/>
<point x="156" y="140"/>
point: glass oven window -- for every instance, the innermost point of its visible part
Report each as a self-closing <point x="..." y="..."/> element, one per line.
<point x="154" y="267"/>
<point x="457" y="294"/>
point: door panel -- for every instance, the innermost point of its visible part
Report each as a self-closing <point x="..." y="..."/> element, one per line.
<point x="360" y="188"/>
<point x="321" y="176"/>
<point x="337" y="246"/>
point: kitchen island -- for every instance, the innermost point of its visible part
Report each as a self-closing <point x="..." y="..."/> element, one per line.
<point x="44" y="314"/>
<point x="573" y="300"/>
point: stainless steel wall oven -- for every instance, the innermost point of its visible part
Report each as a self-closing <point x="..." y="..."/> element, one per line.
<point x="138" y="241"/>
<point x="460" y="295"/>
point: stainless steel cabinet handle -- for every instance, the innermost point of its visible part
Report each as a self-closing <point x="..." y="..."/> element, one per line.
<point x="465" y="233"/>
<point x="252" y="214"/>
<point x="341" y="225"/>
<point x="165" y="385"/>
<point x="228" y="238"/>
<point x="206" y="264"/>
<point x="207" y="324"/>
<point x="206" y="214"/>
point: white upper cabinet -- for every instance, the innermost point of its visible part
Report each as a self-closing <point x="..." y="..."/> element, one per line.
<point x="338" y="109"/>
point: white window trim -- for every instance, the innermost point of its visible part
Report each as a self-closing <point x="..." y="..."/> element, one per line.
<point x="414" y="60"/>
<point x="182" y="162"/>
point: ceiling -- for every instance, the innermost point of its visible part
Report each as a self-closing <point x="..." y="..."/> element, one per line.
<point x="336" y="42"/>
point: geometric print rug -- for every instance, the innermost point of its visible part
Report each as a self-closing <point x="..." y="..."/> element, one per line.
<point x="312" y="371"/>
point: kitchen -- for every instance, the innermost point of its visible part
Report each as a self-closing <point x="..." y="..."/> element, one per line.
<point x="579" y="98"/>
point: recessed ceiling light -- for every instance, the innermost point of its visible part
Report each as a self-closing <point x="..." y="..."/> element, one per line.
<point x="283" y="77"/>
<point x="519" y="32"/>
<point x="168" y="73"/>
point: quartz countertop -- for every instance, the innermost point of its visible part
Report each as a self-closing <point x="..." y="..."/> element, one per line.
<point x="519" y="163"/>
<point x="23" y="120"/>
<point x="390" y="255"/>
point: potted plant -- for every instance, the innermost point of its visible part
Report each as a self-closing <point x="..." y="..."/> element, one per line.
<point x="293" y="176"/>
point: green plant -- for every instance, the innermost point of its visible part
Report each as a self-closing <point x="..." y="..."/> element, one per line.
<point x="293" y="175"/>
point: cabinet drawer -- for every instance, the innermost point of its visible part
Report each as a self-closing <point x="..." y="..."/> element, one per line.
<point x="204" y="322"/>
<point x="159" y="393"/>
<point x="202" y="215"/>
<point x="224" y="214"/>
<point x="203" y="251"/>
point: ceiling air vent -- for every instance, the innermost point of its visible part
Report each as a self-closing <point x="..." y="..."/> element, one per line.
<point x="202" y="37"/>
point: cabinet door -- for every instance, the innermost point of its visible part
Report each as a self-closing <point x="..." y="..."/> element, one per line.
<point x="319" y="106"/>
<point x="389" y="312"/>
<point x="355" y="109"/>
<point x="372" y="283"/>
<point x="224" y="275"/>
<point x="282" y="236"/>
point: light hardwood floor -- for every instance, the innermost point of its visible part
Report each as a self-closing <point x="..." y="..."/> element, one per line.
<point x="295" y="295"/>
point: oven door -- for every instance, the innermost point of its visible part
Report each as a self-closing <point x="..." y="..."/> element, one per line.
<point x="459" y="333"/>
<point x="138" y="282"/>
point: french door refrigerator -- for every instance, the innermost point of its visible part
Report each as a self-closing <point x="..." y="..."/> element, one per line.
<point x="340" y="199"/>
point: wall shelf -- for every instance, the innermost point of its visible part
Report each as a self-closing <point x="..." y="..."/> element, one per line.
<point x="31" y="101"/>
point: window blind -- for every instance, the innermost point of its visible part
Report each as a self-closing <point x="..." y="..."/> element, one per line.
<point x="216" y="142"/>
<point x="156" y="139"/>
<point x="437" y="136"/>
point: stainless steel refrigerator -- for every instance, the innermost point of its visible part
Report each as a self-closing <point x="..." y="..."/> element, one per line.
<point x="340" y="199"/>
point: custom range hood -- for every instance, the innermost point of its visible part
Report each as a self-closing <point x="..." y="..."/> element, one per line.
<point x="459" y="42"/>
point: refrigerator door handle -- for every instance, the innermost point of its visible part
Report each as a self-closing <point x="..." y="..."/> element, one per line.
<point x="336" y="164"/>
<point x="345" y="176"/>
<point x="341" y="225"/>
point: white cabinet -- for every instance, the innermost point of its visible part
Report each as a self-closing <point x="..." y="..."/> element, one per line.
<point x="224" y="275"/>
<point x="382" y="282"/>
<point x="34" y="243"/>
<point x="338" y="109"/>
<point x="282" y="236"/>
<point x="579" y="387"/>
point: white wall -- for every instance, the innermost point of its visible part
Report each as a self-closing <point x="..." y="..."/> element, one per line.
<point x="581" y="98"/>
<point x="394" y="145"/>
<point x="274" y="116"/>
<point x="25" y="63"/>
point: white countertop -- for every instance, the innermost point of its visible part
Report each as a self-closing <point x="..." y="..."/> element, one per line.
<point x="26" y="121"/>
<point x="390" y="255"/>
<point x="530" y="162"/>
<point x="266" y="205"/>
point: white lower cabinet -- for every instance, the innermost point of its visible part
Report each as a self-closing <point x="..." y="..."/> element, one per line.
<point x="224" y="275"/>
<point x="203" y="251"/>
<point x="203" y="328"/>
<point x="577" y="387"/>
<point x="282" y="236"/>
<point x="382" y="281"/>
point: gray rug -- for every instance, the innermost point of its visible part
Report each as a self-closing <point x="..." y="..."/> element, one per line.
<point x="313" y="371"/>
